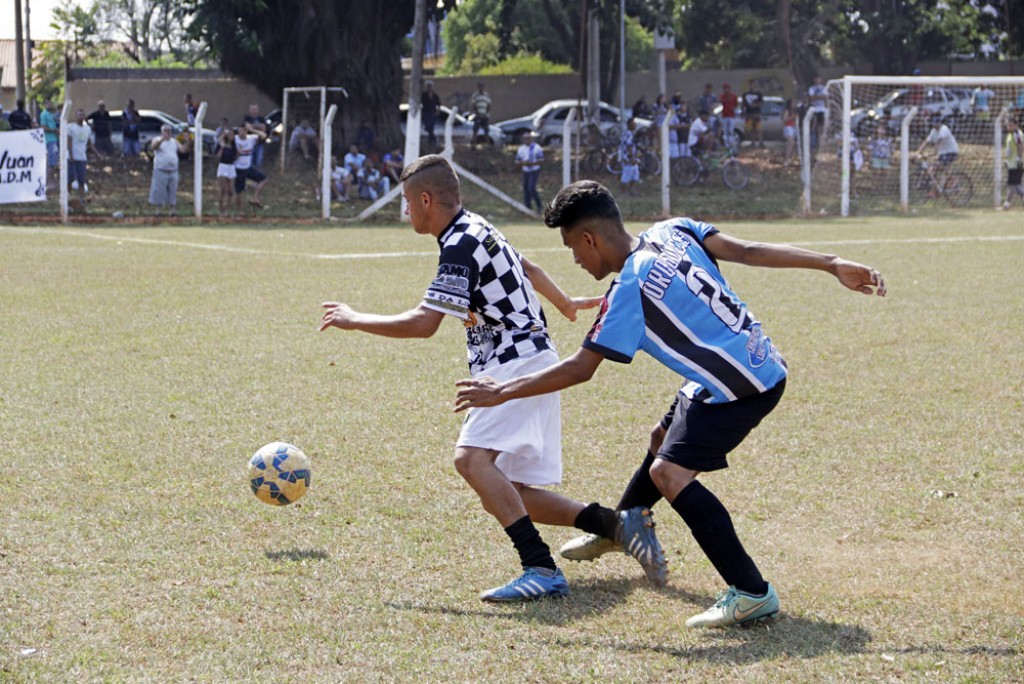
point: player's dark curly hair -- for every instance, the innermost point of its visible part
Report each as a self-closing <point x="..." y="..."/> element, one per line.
<point x="580" y="201"/>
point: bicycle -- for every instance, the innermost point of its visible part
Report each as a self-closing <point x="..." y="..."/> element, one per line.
<point x="956" y="187"/>
<point x="690" y="170"/>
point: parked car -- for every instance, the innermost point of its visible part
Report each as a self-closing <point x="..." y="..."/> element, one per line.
<point x="771" y="119"/>
<point x="548" y="122"/>
<point x="462" y="127"/>
<point x="150" y="122"/>
<point x="894" y="106"/>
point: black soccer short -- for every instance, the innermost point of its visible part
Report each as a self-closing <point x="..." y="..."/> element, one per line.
<point x="251" y="173"/>
<point x="701" y="435"/>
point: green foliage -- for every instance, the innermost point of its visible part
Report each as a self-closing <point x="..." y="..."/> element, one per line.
<point x="481" y="52"/>
<point x="525" y="64"/>
<point x="46" y="78"/>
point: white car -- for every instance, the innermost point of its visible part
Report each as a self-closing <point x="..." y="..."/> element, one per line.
<point x="931" y="100"/>
<point x="150" y="122"/>
<point x="462" y="127"/>
<point x="548" y="122"/>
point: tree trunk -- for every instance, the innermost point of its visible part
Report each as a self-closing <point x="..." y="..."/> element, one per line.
<point x="347" y="43"/>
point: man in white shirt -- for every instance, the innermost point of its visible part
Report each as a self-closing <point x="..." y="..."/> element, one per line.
<point x="701" y="138"/>
<point x="247" y="141"/>
<point x="79" y="144"/>
<point x="163" y="190"/>
<point x="528" y="158"/>
<point x="945" y="146"/>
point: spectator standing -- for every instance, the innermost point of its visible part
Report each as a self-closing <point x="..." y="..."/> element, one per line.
<point x="980" y="102"/>
<point x="707" y="101"/>
<point x="528" y="158"/>
<point x="818" y="101"/>
<point x="790" y="117"/>
<point x="677" y="99"/>
<point x="729" y="102"/>
<point x="393" y="163"/>
<point x="753" y="101"/>
<point x="78" y="133"/>
<point x="256" y="124"/>
<point x="227" y="153"/>
<point x="481" y="105"/>
<point x="630" y="162"/>
<point x="163" y="190"/>
<point x="304" y="138"/>
<point x="51" y="131"/>
<point x="640" y="108"/>
<point x="130" y="119"/>
<point x="19" y="119"/>
<point x="247" y="140"/>
<point x="1014" y="161"/>
<point x="191" y="110"/>
<point x="677" y="127"/>
<point x="102" y="127"/>
<point x="881" y="149"/>
<point x="431" y="107"/>
<point x="5" y="125"/>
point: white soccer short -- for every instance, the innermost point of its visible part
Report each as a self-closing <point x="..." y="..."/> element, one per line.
<point x="527" y="432"/>
<point x="225" y="171"/>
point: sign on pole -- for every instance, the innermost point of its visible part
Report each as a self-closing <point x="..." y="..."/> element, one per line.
<point x="22" y="166"/>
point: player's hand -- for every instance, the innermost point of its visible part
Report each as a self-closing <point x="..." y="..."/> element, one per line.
<point x="337" y="315"/>
<point x="477" y="393"/>
<point x="579" y="303"/>
<point x="860" y="277"/>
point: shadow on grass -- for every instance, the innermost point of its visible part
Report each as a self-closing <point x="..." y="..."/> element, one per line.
<point x="296" y="555"/>
<point x="587" y="598"/>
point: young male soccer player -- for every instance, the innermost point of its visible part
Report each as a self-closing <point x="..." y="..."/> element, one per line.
<point x="503" y="453"/>
<point x="671" y="301"/>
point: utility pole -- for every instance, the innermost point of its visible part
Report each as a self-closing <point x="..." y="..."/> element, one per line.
<point x="28" y="37"/>
<point x="19" y="57"/>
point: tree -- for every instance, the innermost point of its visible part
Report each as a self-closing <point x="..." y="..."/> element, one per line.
<point x="274" y="44"/>
<point x="550" y="30"/>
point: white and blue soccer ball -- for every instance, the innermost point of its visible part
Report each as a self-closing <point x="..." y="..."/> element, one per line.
<point x="279" y="473"/>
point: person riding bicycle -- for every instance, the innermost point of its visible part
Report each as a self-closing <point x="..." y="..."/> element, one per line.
<point x="702" y="137"/>
<point x="945" y="146"/>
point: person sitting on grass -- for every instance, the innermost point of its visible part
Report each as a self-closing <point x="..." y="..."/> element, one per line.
<point x="371" y="183"/>
<point x="304" y="138"/>
<point x="341" y="180"/>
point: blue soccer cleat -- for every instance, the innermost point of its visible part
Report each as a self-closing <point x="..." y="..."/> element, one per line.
<point x="535" y="583"/>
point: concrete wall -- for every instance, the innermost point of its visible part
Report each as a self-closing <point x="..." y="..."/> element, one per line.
<point x="224" y="96"/>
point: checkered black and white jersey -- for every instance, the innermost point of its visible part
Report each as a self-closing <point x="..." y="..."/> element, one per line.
<point x="480" y="280"/>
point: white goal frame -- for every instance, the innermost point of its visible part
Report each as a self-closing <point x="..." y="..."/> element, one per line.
<point x="848" y="82"/>
<point x="306" y="90"/>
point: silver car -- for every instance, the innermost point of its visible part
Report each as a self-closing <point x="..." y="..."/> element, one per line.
<point x="150" y="122"/>
<point x="548" y="122"/>
<point x="462" y="127"/>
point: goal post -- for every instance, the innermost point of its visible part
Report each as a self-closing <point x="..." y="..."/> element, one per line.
<point x="310" y="103"/>
<point x="864" y="154"/>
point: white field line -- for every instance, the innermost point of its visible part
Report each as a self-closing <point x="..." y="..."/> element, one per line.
<point x="393" y="255"/>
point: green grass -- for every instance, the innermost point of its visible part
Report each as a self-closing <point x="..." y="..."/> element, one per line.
<point x="140" y="372"/>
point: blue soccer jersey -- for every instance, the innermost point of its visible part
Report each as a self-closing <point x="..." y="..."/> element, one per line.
<point x="671" y="301"/>
<point x="480" y="280"/>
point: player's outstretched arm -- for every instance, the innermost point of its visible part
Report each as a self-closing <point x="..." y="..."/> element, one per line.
<point x="418" y="322"/>
<point x="484" y="391"/>
<point x="543" y="284"/>
<point x="850" y="273"/>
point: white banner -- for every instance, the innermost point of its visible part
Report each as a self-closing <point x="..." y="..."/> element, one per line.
<point x="22" y="166"/>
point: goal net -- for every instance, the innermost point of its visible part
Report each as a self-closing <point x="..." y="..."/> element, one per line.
<point x="305" y="108"/>
<point x="863" y="149"/>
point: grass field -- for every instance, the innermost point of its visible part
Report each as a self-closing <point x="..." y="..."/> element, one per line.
<point x="142" y="367"/>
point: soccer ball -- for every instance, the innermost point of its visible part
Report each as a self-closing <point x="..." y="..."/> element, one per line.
<point x="279" y="474"/>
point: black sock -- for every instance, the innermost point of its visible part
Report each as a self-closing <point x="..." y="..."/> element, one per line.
<point x="641" y="490"/>
<point x="713" y="529"/>
<point x="596" y="519"/>
<point x="533" y="552"/>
